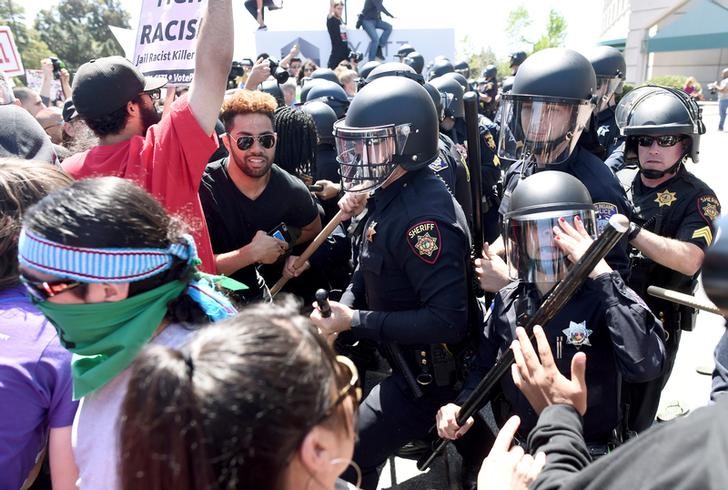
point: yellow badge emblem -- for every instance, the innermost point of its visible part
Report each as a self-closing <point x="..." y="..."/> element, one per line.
<point x="425" y="241"/>
<point x="709" y="207"/>
<point x="426" y="245"/>
<point x="371" y="231"/>
<point x="666" y="198"/>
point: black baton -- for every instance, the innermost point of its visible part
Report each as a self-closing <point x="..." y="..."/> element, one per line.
<point x="471" y="100"/>
<point x="322" y="298"/>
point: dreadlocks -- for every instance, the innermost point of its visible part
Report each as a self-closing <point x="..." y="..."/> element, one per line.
<point x="296" y="148"/>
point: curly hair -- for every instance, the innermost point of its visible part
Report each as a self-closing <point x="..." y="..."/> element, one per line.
<point x="247" y="102"/>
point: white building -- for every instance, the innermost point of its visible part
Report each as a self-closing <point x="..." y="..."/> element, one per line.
<point x="669" y="37"/>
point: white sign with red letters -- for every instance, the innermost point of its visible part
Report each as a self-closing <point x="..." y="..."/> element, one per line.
<point x="10" y="61"/>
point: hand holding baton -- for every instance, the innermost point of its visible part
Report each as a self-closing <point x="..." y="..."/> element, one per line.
<point x="322" y="299"/>
<point x="554" y="301"/>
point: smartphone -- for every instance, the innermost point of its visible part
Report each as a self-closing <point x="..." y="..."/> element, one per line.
<point x="280" y="232"/>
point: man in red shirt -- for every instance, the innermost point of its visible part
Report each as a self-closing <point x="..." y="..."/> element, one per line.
<point x="167" y="157"/>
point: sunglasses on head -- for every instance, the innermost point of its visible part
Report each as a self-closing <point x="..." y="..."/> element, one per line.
<point x="266" y="140"/>
<point x="42" y="290"/>
<point x="665" y="141"/>
<point x="351" y="387"/>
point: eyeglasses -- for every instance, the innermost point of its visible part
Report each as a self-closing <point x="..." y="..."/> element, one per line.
<point x="266" y="140"/>
<point x="42" y="290"/>
<point x="352" y="387"/>
<point x="665" y="141"/>
<point x="155" y="94"/>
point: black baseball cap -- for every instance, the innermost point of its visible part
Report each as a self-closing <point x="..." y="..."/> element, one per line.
<point x="104" y="85"/>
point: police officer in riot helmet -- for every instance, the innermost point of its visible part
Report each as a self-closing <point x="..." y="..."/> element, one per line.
<point x="542" y="118"/>
<point x="439" y="67"/>
<point x="674" y="214"/>
<point x="331" y="93"/>
<point x="404" y="50"/>
<point x="488" y="92"/>
<point x="463" y="68"/>
<point x="549" y="224"/>
<point x="273" y="88"/>
<point x="394" y="69"/>
<point x="516" y="60"/>
<point x="453" y="106"/>
<point x="416" y="61"/>
<point x="409" y="291"/>
<point x="602" y="138"/>
<point x="367" y="67"/>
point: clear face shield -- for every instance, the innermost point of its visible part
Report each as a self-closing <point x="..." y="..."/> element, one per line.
<point x="533" y="255"/>
<point x="606" y="88"/>
<point x="545" y="129"/>
<point x="366" y="156"/>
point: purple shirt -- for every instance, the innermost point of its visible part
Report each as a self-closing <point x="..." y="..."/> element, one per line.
<point x="35" y="386"/>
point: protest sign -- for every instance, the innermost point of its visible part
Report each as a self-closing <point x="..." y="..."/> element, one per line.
<point x="10" y="61"/>
<point x="166" y="39"/>
<point x="35" y="82"/>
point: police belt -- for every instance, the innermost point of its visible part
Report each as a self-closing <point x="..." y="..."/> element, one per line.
<point x="428" y="365"/>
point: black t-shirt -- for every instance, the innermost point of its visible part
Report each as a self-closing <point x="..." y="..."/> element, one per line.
<point x="233" y="219"/>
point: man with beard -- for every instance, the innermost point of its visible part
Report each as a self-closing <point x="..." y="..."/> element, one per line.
<point x="255" y="209"/>
<point x="167" y="157"/>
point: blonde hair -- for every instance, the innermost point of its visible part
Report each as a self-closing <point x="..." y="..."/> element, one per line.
<point x="247" y="102"/>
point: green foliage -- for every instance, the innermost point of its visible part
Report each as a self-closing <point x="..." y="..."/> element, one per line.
<point x="31" y="46"/>
<point x="78" y="29"/>
<point x="555" y="32"/>
<point x="517" y="25"/>
<point x="675" y="81"/>
<point x="476" y="59"/>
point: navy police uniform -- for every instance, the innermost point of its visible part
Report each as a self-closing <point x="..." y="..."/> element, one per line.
<point x="410" y="289"/>
<point x="452" y="169"/>
<point x="683" y="208"/>
<point x="606" y="320"/>
<point x="608" y="196"/>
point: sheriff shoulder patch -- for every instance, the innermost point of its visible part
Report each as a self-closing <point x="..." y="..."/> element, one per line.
<point x="602" y="212"/>
<point x="709" y="207"/>
<point x="425" y="241"/>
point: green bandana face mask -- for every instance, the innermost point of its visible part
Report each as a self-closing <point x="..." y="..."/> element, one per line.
<point x="106" y="337"/>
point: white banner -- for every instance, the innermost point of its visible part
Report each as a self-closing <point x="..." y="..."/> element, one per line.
<point x="35" y="81"/>
<point x="316" y="45"/>
<point x="166" y="37"/>
<point x="10" y="61"/>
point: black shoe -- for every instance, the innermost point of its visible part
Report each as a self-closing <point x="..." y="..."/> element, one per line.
<point x="413" y="450"/>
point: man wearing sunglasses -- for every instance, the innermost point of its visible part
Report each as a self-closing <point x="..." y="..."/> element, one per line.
<point x="247" y="198"/>
<point x="674" y="217"/>
<point x="166" y="157"/>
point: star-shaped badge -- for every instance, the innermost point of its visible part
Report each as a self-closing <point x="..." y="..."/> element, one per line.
<point x="577" y="334"/>
<point x="666" y="198"/>
<point x="426" y="244"/>
<point x="371" y="231"/>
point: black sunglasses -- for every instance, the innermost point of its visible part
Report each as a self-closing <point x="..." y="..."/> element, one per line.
<point x="665" y="141"/>
<point x="42" y="290"/>
<point x="266" y="140"/>
<point x="155" y="94"/>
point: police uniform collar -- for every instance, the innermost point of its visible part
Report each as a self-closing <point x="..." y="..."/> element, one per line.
<point x="384" y="195"/>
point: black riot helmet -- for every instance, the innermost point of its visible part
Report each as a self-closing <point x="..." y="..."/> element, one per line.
<point x="660" y="111"/>
<point x="460" y="79"/>
<point x="439" y="67"/>
<point x="610" y="68"/>
<point x="548" y="107"/>
<point x="490" y="71"/>
<point x="536" y="205"/>
<point x="416" y="61"/>
<point x="308" y="83"/>
<point x="394" y="69"/>
<point x="462" y="67"/>
<point x="436" y="97"/>
<point x="507" y="84"/>
<point x="367" y="67"/>
<point x="404" y="50"/>
<point x="715" y="279"/>
<point x="516" y="59"/>
<point x="324" y="118"/>
<point x="326" y="74"/>
<point x="332" y="94"/>
<point x="452" y="96"/>
<point x="272" y="87"/>
<point x="391" y="121"/>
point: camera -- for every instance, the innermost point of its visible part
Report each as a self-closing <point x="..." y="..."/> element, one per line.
<point x="58" y="65"/>
<point x="278" y="73"/>
<point x="237" y="69"/>
<point x="356" y="56"/>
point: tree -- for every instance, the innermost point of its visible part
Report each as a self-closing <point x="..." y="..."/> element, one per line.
<point x="519" y="22"/>
<point x="477" y="60"/>
<point x="78" y="30"/>
<point x="31" y="46"/>
<point x="555" y="32"/>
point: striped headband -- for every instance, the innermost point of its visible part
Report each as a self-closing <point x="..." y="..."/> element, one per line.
<point x="109" y="265"/>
